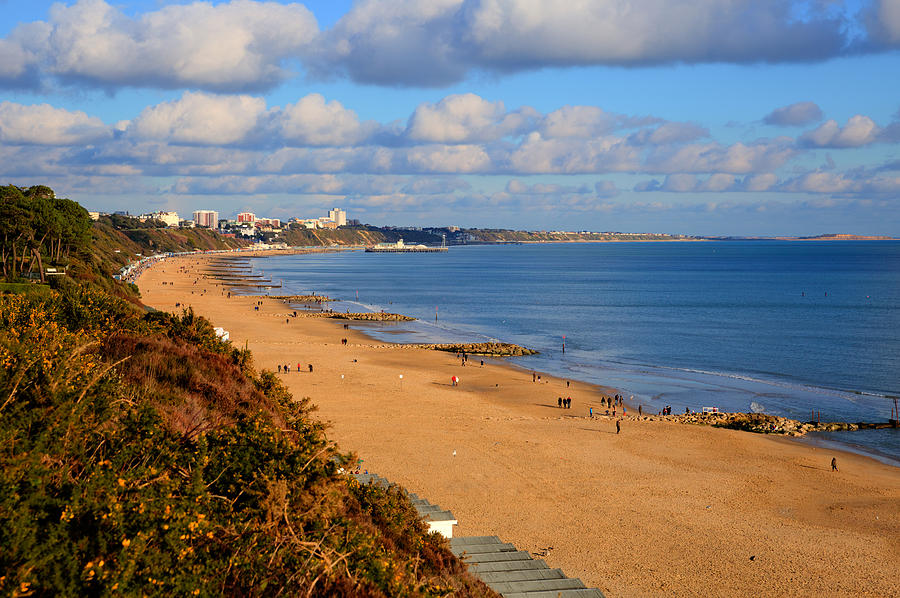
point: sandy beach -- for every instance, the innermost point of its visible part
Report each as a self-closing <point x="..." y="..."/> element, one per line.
<point x="659" y="509"/>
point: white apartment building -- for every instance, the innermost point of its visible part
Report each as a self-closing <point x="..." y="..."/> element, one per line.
<point x="167" y="218"/>
<point x="207" y="218"/>
<point x="338" y="216"/>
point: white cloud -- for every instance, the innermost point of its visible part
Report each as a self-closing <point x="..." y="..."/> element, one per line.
<point x="43" y="124"/>
<point x="842" y="184"/>
<point x="309" y="184"/>
<point x="860" y="130"/>
<point x="795" y="115"/>
<point x="15" y="63"/>
<point x="201" y="119"/>
<point x="669" y="133"/>
<point x="759" y="182"/>
<point x="883" y="21"/>
<point x="392" y="42"/>
<point x="466" y="118"/>
<point x="738" y="158"/>
<point x="313" y="121"/>
<point x="409" y="42"/>
<point x="605" y="154"/>
<point x="449" y="158"/>
<point x="718" y="182"/>
<point x="233" y="46"/>
<point x="579" y="121"/>
<point x="680" y="183"/>
<point x="519" y="187"/>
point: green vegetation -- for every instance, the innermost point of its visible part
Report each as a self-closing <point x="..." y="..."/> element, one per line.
<point x="139" y="454"/>
<point x="37" y="227"/>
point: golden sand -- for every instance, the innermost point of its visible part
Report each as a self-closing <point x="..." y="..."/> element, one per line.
<point x="660" y="509"/>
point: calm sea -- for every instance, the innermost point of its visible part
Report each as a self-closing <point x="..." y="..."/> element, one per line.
<point x="785" y="328"/>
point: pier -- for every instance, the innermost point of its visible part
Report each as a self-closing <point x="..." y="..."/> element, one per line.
<point x="400" y="247"/>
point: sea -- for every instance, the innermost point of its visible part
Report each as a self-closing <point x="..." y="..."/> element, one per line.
<point x="802" y="329"/>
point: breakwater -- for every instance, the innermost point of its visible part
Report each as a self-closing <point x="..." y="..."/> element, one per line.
<point x="762" y="423"/>
<point x="496" y="349"/>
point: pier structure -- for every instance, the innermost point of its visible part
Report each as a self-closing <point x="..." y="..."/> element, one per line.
<point x="400" y="247"/>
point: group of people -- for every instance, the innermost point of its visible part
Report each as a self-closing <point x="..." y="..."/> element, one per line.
<point x="286" y="368"/>
<point x="564" y="403"/>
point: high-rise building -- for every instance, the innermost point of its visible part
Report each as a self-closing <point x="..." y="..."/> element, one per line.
<point x="246" y="217"/>
<point x="338" y="216"/>
<point x="207" y="218"/>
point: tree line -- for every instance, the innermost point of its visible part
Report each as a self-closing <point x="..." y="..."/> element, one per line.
<point x="39" y="229"/>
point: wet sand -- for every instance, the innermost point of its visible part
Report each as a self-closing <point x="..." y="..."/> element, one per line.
<point x="659" y="509"/>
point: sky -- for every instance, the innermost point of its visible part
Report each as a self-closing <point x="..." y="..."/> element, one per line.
<point x="699" y="117"/>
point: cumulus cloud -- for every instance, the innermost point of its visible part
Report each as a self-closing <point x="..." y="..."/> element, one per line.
<point x="670" y="133"/>
<point x="45" y="125"/>
<point x="18" y="67"/>
<point x="313" y="121"/>
<point x="718" y="182"/>
<point x="200" y="119"/>
<point x="605" y="154"/>
<point x="737" y="158"/>
<point x="860" y="130"/>
<point x="435" y="43"/>
<point x="522" y="188"/>
<point x="392" y="42"/>
<point x="465" y="118"/>
<point x="759" y="182"/>
<point x="310" y="184"/>
<point x="795" y="115"/>
<point x="240" y="45"/>
<point x="862" y="183"/>
<point x="449" y="158"/>
<point x="883" y="22"/>
<point x="586" y="122"/>
<point x="435" y="185"/>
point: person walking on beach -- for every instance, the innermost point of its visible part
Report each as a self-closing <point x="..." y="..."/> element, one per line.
<point x="559" y="402"/>
<point x="279" y="368"/>
<point x="310" y="368"/>
<point x="618" y="427"/>
<point x="640" y="410"/>
<point x="834" y="464"/>
<point x="533" y="377"/>
<point x="591" y="410"/>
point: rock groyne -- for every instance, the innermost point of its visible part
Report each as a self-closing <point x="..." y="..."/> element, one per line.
<point x="762" y="423"/>
<point x="491" y="349"/>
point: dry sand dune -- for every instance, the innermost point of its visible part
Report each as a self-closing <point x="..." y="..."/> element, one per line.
<point x="660" y="509"/>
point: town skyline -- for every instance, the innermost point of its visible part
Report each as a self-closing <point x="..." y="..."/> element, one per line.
<point x="745" y="118"/>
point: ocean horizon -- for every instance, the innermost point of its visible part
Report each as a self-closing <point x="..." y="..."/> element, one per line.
<point x="797" y="329"/>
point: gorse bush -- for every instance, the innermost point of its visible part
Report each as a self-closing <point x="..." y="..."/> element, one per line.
<point x="139" y="454"/>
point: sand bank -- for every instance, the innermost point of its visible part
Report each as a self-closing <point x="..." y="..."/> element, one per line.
<point x="660" y="509"/>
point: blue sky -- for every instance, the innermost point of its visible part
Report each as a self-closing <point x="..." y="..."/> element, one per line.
<point x="740" y="117"/>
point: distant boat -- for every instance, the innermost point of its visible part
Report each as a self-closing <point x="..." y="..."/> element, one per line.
<point x="401" y="247"/>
